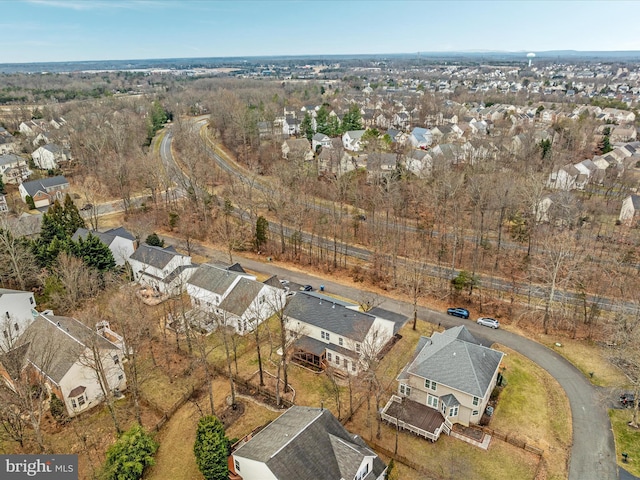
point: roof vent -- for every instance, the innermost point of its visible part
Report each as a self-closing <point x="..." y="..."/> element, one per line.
<point x="58" y="323"/>
<point x="454" y="354"/>
<point x="334" y="305"/>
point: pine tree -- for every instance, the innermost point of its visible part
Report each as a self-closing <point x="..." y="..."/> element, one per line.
<point x="322" y="120"/>
<point x="211" y="449"/>
<point x="130" y="455"/>
<point x="306" y="126"/>
<point x="93" y="253"/>
<point x="154" y="240"/>
<point x="2" y="187"/>
<point x="352" y="120"/>
<point x="262" y="228"/>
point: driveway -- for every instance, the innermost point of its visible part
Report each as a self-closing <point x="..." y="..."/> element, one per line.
<point x="593" y="450"/>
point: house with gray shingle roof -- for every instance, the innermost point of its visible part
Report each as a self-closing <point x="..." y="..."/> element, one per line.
<point x="450" y="374"/>
<point x="14" y="169"/>
<point x="305" y="443"/>
<point x="630" y="209"/>
<point x="44" y="191"/>
<point x="17" y="312"/>
<point x="331" y="335"/>
<point x="229" y="296"/>
<point x="119" y="240"/>
<point x="62" y="350"/>
<point x="49" y="156"/>
<point x="162" y="269"/>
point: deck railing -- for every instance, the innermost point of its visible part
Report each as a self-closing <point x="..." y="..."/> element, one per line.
<point x="406" y="426"/>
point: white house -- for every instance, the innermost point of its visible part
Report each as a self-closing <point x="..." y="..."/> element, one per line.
<point x="163" y="269"/>
<point x="630" y="209"/>
<point x="17" y="312"/>
<point x="120" y="242"/>
<point x="333" y="334"/>
<point x="210" y="284"/>
<point x="49" y="156"/>
<point x="7" y="142"/>
<point x="351" y="140"/>
<point x="44" y="191"/>
<point x="305" y="443"/>
<point x="69" y="356"/>
<point x="320" y="140"/>
<point x="249" y="303"/>
<point x="14" y="169"/>
<point x="290" y="126"/>
<point x="420" y="137"/>
<point x="297" y="149"/>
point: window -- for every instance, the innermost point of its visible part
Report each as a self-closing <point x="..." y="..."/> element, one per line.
<point x="346" y="363"/>
<point x="15" y="326"/>
<point x="120" y="377"/>
<point x="321" y="334"/>
<point x="329" y="356"/>
<point x="261" y="299"/>
<point x="326" y="335"/>
<point x="237" y="464"/>
<point x="430" y="384"/>
<point x="474" y="413"/>
<point x="432" y="401"/>
<point x="405" y="390"/>
<point x="81" y="400"/>
<point x="73" y="403"/>
<point x="476" y="400"/>
<point x="31" y="300"/>
<point x="338" y="359"/>
<point x="340" y="341"/>
<point x="453" y="411"/>
<point x="116" y="360"/>
<point x="353" y="366"/>
<point x="358" y="347"/>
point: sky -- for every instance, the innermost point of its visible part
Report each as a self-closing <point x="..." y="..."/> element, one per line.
<point x="76" y="30"/>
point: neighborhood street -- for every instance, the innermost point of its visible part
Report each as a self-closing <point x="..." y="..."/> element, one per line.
<point x="593" y="450"/>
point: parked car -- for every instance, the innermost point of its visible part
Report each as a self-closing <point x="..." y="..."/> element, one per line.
<point x="488" y="322"/>
<point x="306" y="288"/>
<point x="627" y="399"/>
<point x="458" y="312"/>
<point x="87" y="206"/>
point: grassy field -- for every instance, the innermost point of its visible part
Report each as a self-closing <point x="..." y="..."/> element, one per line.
<point x="589" y="358"/>
<point x="627" y="440"/>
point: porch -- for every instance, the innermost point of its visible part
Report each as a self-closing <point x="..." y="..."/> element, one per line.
<point x="419" y="419"/>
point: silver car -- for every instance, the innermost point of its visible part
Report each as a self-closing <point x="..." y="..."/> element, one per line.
<point x="488" y="322"/>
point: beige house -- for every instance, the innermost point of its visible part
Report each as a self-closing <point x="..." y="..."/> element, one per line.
<point x="449" y="380"/>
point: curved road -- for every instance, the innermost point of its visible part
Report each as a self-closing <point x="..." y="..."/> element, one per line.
<point x="593" y="450"/>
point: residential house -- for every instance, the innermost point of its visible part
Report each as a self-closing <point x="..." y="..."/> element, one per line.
<point x="421" y="137"/>
<point x="14" y="169"/>
<point x="290" y="126"/>
<point x="228" y="295"/>
<point x="401" y="120"/>
<point x="567" y="177"/>
<point x="332" y="334"/>
<point x="210" y="284"/>
<point x="45" y="191"/>
<point x="305" y="443"/>
<point x="68" y="355"/>
<point x="163" y="269"/>
<point x="419" y="162"/>
<point x="31" y="128"/>
<point x="3" y="204"/>
<point x="17" y="312"/>
<point x="629" y="213"/>
<point x="335" y="160"/>
<point x="383" y="164"/>
<point x="351" y="140"/>
<point x="297" y="150"/>
<point x="320" y="140"/>
<point x="49" y="156"/>
<point x="121" y="243"/>
<point x="622" y="133"/>
<point x="449" y="380"/>
<point x="7" y="142"/>
<point x="560" y="208"/>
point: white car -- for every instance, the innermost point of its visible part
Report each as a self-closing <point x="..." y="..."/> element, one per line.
<point x="488" y="322"/>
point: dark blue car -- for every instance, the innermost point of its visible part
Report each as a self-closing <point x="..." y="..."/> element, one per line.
<point x="458" y="312"/>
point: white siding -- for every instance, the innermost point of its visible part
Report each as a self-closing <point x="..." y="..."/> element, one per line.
<point x="253" y="470"/>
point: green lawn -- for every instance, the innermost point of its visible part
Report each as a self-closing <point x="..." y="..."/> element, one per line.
<point x="627" y="440"/>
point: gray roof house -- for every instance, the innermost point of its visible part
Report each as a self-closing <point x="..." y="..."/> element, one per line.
<point x="306" y="443"/>
<point x="119" y="240"/>
<point x="163" y="269"/>
<point x="331" y="335"/>
<point x="63" y="350"/>
<point x="449" y="380"/>
<point x="44" y="191"/>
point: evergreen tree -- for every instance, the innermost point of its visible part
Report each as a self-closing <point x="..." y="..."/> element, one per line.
<point x="154" y="240"/>
<point x="333" y="126"/>
<point x="2" y="187"/>
<point x="352" y="120"/>
<point x="93" y="253"/>
<point x="130" y="455"/>
<point x="59" y="224"/>
<point x="262" y="229"/>
<point x="72" y="218"/>
<point x="211" y="449"/>
<point x="322" y="120"/>
<point x="306" y="126"/>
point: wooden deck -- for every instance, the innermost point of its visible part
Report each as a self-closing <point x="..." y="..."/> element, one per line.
<point x="415" y="417"/>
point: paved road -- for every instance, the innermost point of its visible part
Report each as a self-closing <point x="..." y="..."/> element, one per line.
<point x="593" y="450"/>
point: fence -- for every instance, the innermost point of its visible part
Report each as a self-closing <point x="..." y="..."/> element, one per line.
<point x="513" y="441"/>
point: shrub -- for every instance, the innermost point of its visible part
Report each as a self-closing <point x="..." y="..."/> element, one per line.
<point x="130" y="455"/>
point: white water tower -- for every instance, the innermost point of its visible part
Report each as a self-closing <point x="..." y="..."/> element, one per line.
<point x="530" y="57"/>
